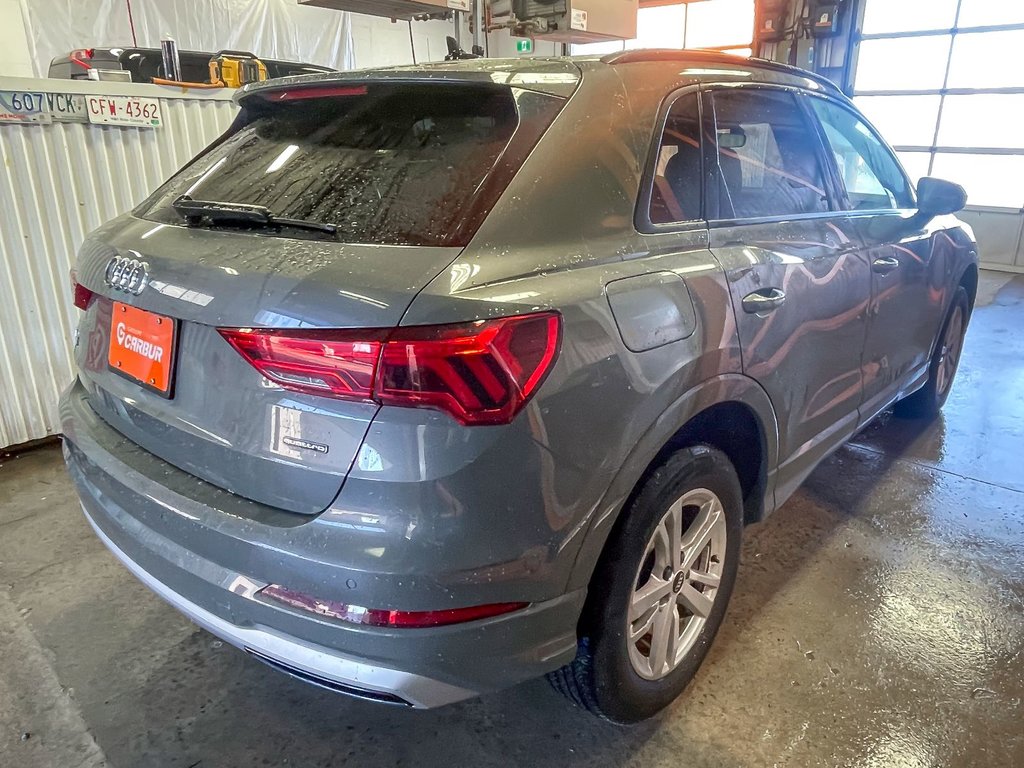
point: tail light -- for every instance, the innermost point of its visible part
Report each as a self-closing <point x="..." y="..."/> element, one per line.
<point x="480" y="373"/>
<point x="82" y="296"/>
<point x="80" y="55"/>
<point x="384" y="617"/>
<point x="324" y="362"/>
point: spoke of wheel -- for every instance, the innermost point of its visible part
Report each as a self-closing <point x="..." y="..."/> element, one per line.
<point x="642" y="628"/>
<point x="696" y="602"/>
<point x="951" y="353"/>
<point x="708" y="579"/>
<point x="647" y="597"/>
<point x="699" y="533"/>
<point x="662" y="543"/>
<point x="663" y="643"/>
<point x="674" y="529"/>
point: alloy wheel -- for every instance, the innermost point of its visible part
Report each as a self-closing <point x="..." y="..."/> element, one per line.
<point x="676" y="583"/>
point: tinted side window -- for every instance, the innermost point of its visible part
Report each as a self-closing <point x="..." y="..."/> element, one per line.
<point x="676" y="192"/>
<point x="768" y="156"/>
<point x="871" y="174"/>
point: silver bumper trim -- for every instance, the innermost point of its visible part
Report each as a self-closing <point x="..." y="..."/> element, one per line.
<point x="421" y="692"/>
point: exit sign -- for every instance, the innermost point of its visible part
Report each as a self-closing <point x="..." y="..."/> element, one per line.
<point x="524" y="46"/>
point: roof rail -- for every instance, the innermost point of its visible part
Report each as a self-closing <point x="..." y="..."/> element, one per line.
<point x="709" y="55"/>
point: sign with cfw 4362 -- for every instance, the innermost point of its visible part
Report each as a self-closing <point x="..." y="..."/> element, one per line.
<point x="44" y="108"/>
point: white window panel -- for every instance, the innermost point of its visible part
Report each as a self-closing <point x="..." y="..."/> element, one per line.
<point x="987" y="60"/>
<point x="597" y="49"/>
<point x="659" y="27"/>
<point x="980" y="13"/>
<point x="719" y="23"/>
<point x="989" y="179"/>
<point x="915" y="164"/>
<point x="902" y="120"/>
<point x="882" y="16"/>
<point x="908" y="63"/>
<point x="983" y="120"/>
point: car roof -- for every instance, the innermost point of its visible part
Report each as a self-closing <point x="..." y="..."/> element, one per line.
<point x="555" y="75"/>
<point x="560" y="75"/>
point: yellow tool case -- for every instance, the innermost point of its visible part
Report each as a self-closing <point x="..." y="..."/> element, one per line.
<point x="234" y="69"/>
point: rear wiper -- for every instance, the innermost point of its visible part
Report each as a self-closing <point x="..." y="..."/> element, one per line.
<point x="198" y="213"/>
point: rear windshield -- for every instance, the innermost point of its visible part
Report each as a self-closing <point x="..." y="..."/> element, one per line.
<point x="402" y="164"/>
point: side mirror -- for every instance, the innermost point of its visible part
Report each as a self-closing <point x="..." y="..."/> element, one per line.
<point x="937" y="197"/>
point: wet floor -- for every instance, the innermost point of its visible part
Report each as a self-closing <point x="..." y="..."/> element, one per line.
<point x="878" y="621"/>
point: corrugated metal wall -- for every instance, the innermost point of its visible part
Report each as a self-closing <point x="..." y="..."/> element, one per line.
<point x="58" y="182"/>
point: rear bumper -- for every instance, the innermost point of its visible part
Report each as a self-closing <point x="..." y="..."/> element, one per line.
<point x="210" y="563"/>
<point x="315" y="664"/>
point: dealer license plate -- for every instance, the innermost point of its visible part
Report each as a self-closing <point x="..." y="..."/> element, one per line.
<point x="142" y="347"/>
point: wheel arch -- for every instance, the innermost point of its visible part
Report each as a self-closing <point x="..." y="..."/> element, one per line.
<point x="730" y="412"/>
<point x="969" y="281"/>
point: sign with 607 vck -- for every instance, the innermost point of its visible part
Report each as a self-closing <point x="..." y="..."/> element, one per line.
<point x="18" y="107"/>
<point x="44" y="108"/>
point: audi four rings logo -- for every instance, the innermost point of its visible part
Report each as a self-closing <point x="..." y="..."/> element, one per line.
<point x="128" y="275"/>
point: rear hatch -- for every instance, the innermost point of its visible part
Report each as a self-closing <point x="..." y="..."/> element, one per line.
<point x="363" y="192"/>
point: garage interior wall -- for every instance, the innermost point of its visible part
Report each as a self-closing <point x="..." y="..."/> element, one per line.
<point x="61" y="181"/>
<point x="281" y="29"/>
<point x="15" y="55"/>
<point x="272" y="28"/>
<point x="941" y="81"/>
<point x="955" y="109"/>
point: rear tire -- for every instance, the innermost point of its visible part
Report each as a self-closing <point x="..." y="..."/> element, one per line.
<point x="926" y="402"/>
<point x="658" y="598"/>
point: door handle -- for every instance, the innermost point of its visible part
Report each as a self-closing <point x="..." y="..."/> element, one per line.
<point x="884" y="265"/>
<point x="764" y="300"/>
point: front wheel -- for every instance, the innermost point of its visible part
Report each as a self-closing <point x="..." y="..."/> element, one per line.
<point x="661" y="589"/>
<point x="928" y="401"/>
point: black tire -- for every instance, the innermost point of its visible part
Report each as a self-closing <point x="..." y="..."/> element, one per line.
<point x="602" y="678"/>
<point x="926" y="402"/>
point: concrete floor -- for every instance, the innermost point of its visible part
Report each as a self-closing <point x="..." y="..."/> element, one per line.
<point x="878" y="622"/>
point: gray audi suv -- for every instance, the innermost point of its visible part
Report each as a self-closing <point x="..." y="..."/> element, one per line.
<point x="421" y="382"/>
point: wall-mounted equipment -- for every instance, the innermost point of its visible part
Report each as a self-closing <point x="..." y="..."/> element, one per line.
<point x="566" y="21"/>
<point x="770" y="20"/>
<point x="825" y="18"/>
<point x="395" y="9"/>
<point x="563" y="21"/>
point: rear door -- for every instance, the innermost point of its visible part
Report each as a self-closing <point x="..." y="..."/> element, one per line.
<point x="909" y="267"/>
<point x="798" y="279"/>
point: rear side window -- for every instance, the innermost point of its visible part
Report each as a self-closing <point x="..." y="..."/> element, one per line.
<point x="869" y="171"/>
<point x="401" y="164"/>
<point x="768" y="156"/>
<point x="676" y="188"/>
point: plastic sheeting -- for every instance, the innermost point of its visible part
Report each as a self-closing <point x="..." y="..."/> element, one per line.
<point x="275" y="29"/>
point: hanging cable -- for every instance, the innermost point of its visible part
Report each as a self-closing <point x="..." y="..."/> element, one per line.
<point x="131" y="23"/>
<point x="412" y="43"/>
